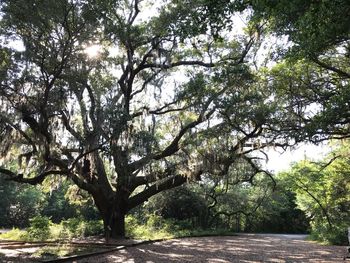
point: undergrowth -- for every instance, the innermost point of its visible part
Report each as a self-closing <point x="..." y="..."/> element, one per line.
<point x="154" y="227"/>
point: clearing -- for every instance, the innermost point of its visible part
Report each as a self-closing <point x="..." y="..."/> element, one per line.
<point x="240" y="248"/>
<point x="216" y="249"/>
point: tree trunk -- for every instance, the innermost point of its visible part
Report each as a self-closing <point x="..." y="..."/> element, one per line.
<point x="114" y="224"/>
<point x="238" y="223"/>
<point x="113" y="213"/>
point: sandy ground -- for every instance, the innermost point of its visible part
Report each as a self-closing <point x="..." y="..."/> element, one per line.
<point x="241" y="248"/>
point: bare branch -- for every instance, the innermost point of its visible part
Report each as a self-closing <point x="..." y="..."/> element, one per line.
<point x="145" y="83"/>
<point x="173" y="147"/>
<point x="17" y="128"/>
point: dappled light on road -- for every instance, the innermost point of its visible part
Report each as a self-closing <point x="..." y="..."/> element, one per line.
<point x="240" y="248"/>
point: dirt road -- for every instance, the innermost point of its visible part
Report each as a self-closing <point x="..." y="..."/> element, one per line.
<point x="240" y="248"/>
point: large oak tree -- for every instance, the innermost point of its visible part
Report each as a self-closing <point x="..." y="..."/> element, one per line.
<point x="139" y="115"/>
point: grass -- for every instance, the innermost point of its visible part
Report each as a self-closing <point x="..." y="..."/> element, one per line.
<point x="68" y="229"/>
<point x="154" y="228"/>
<point x="47" y="252"/>
<point x="15" y="234"/>
<point x="158" y="228"/>
<point x="54" y="252"/>
<point x="142" y="232"/>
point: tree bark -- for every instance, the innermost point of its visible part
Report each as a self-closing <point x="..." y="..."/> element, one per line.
<point x="114" y="224"/>
<point x="112" y="211"/>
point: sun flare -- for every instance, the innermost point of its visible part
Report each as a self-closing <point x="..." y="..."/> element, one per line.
<point x="93" y="51"/>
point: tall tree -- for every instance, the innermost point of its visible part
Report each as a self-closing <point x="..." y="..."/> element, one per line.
<point x="312" y="74"/>
<point x="322" y="190"/>
<point x="117" y="99"/>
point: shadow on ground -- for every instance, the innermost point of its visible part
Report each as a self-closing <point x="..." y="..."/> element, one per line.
<point x="241" y="248"/>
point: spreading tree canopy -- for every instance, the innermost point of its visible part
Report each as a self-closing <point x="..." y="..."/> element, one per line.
<point x="312" y="72"/>
<point x="127" y="98"/>
<point x="133" y="97"/>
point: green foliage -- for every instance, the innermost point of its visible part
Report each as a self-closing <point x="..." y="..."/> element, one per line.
<point x="180" y="204"/>
<point x="279" y="214"/>
<point x="338" y="235"/>
<point x="191" y="18"/>
<point x="313" y="101"/>
<point x="81" y="201"/>
<point x="39" y="228"/>
<point x="18" y="203"/>
<point x="48" y="253"/>
<point x="15" y="234"/>
<point x="120" y="122"/>
<point x="66" y="113"/>
<point x="313" y="26"/>
<point x="237" y="207"/>
<point x="58" y="207"/>
<point x="54" y="252"/>
<point x="157" y="227"/>
<point x="311" y="76"/>
<point x="322" y="190"/>
<point x="78" y="227"/>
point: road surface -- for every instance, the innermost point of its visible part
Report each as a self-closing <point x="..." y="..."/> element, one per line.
<point x="241" y="248"/>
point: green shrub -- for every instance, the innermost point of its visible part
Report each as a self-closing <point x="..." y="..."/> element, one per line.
<point x="155" y="222"/>
<point x="154" y="228"/>
<point x="336" y="236"/>
<point x="93" y="227"/>
<point x="72" y="227"/>
<point x="77" y="227"/>
<point x="15" y="234"/>
<point x="39" y="228"/>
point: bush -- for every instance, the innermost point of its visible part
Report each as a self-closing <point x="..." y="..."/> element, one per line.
<point x="180" y="203"/>
<point x="15" y="234"/>
<point x="71" y="227"/>
<point x="155" y="222"/>
<point x="18" y="203"/>
<point x="77" y="227"/>
<point x="94" y="227"/>
<point x="155" y="228"/>
<point x="338" y="235"/>
<point x="39" y="228"/>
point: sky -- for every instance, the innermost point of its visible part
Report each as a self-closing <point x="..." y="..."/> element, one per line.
<point x="280" y="161"/>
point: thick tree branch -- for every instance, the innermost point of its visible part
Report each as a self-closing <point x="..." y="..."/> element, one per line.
<point x="169" y="183"/>
<point x="34" y="180"/>
<point x="17" y="128"/>
<point x="173" y="147"/>
<point x="69" y="128"/>
<point x="92" y="107"/>
<point x="135" y="11"/>
<point x="330" y="67"/>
